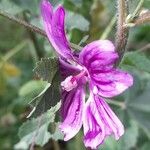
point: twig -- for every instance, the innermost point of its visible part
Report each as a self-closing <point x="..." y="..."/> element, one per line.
<point x="138" y="8"/>
<point x="56" y="145"/>
<point x="136" y="18"/>
<point x="147" y="47"/>
<point x="108" y="28"/>
<point x="15" y="50"/>
<point x="143" y="18"/>
<point x="122" y="31"/>
<point x="33" y="38"/>
<point x="31" y="27"/>
<point x="12" y="52"/>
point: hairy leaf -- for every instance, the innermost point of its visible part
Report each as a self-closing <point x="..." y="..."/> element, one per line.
<point x="138" y="60"/>
<point x="47" y="98"/>
<point x="31" y="89"/>
<point x="46" y="69"/>
<point x="36" y="130"/>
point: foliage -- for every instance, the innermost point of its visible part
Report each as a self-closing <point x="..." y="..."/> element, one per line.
<point x="35" y="94"/>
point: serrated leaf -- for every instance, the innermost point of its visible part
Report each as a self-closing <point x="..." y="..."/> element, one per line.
<point x="138" y="60"/>
<point x="36" y="130"/>
<point x="46" y="69"/>
<point x="48" y="97"/>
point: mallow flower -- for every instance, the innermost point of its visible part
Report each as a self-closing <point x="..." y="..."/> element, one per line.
<point x="90" y="71"/>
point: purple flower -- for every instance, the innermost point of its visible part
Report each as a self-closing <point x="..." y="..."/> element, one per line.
<point x="94" y="68"/>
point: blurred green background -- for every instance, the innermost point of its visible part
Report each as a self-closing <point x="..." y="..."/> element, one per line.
<point x="86" y="20"/>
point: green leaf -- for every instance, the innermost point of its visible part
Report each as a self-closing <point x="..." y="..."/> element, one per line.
<point x="77" y="2"/>
<point x="146" y="146"/>
<point x="29" y="5"/>
<point x="126" y="142"/>
<point x="31" y="89"/>
<point x="110" y="144"/>
<point x="47" y="98"/>
<point x="10" y="7"/>
<point x="138" y="60"/>
<point x="129" y="139"/>
<point x="39" y="94"/>
<point x="137" y="102"/>
<point x="46" y="68"/>
<point x="71" y="21"/>
<point x="36" y="130"/>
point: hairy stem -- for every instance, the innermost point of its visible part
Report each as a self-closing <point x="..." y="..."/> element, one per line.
<point x="122" y="31"/>
<point x="33" y="28"/>
<point x="33" y="38"/>
<point x="108" y="28"/>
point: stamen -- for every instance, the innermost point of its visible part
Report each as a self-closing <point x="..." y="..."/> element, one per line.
<point x="69" y="83"/>
<point x="72" y="81"/>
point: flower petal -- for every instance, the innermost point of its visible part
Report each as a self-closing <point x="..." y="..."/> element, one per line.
<point x="67" y="69"/>
<point x="112" y="83"/>
<point x="99" y="122"/>
<point x="54" y="27"/>
<point x="71" y="111"/>
<point x="98" y="54"/>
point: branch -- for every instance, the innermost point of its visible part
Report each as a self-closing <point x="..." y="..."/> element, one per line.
<point x="31" y="27"/>
<point x="108" y="28"/>
<point x="138" y="8"/>
<point x="143" y="49"/>
<point x="122" y="31"/>
<point x="143" y="18"/>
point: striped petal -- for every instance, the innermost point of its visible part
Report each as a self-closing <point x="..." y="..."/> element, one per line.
<point x="98" y="55"/>
<point x="99" y="58"/>
<point x="112" y="83"/>
<point x="54" y="27"/>
<point x="99" y="122"/>
<point x="72" y="111"/>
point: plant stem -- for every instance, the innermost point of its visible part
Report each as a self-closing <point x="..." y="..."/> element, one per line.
<point x="131" y="17"/>
<point x="56" y="145"/>
<point x="14" y="51"/>
<point x="34" y="39"/>
<point x="122" y="31"/>
<point x="108" y="28"/>
<point x="138" y="8"/>
<point x="146" y="47"/>
<point x="33" y="28"/>
<point x="143" y="18"/>
<point x="22" y="22"/>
